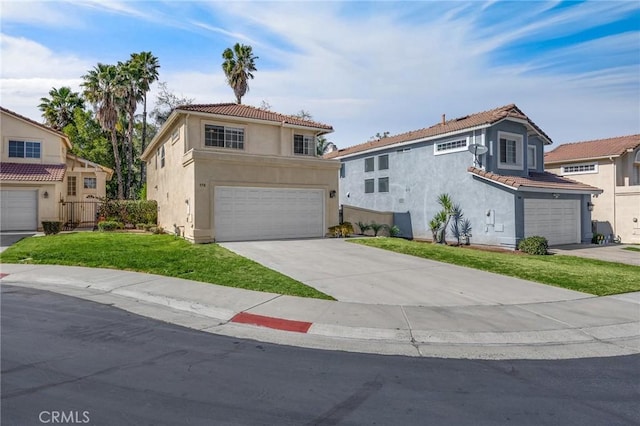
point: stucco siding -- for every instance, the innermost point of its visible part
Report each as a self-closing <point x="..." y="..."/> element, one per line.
<point x="52" y="147"/>
<point x="493" y="156"/>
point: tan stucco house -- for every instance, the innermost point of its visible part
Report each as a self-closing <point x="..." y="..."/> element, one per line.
<point x="612" y="164"/>
<point x="40" y="179"/>
<point x="229" y="172"/>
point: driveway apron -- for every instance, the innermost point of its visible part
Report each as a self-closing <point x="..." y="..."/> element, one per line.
<point x="354" y="273"/>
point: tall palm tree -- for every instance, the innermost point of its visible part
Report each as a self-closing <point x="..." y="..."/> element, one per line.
<point x="103" y="88"/>
<point x="324" y="146"/>
<point x="130" y="76"/>
<point x="238" y="65"/>
<point x="148" y="65"/>
<point x="58" y="110"/>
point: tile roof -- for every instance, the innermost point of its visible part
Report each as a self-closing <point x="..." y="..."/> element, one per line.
<point x="246" y="111"/>
<point x="454" y="125"/>
<point x="32" y="172"/>
<point x="593" y="149"/>
<point x="35" y="123"/>
<point x="536" y="180"/>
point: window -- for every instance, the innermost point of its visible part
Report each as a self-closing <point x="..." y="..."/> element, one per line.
<point x="175" y="136"/>
<point x="531" y="156"/>
<point x="22" y="149"/>
<point x="223" y="137"/>
<point x="71" y="186"/>
<point x="450" y="146"/>
<point x="580" y="168"/>
<point x="369" y="164"/>
<point x="90" y="183"/>
<point x="343" y="171"/>
<point x="369" y="186"/>
<point x="510" y="150"/>
<point x="383" y="162"/>
<point x="383" y="184"/>
<point x="303" y="145"/>
<point x="161" y="156"/>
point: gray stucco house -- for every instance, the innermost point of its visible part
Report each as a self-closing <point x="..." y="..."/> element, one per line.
<point x="504" y="192"/>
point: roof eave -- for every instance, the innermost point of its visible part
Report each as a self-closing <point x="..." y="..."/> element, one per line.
<point x="526" y="188"/>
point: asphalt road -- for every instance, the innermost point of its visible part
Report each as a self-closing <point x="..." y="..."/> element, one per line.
<point x="86" y="363"/>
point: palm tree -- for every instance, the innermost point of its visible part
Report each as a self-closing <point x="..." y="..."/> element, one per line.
<point x="237" y="66"/>
<point x="148" y="66"/>
<point x="324" y="146"/>
<point x="102" y="87"/>
<point x="58" y="110"/>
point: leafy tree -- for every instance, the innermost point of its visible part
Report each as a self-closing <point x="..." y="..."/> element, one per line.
<point x="265" y="105"/>
<point x="58" y="110"/>
<point x="166" y="101"/>
<point x="379" y="136"/>
<point x="103" y="88"/>
<point x="238" y="65"/>
<point x="324" y="146"/>
<point x="303" y="115"/>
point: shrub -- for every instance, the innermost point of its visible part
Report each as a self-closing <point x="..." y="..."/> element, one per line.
<point x="109" y="225"/>
<point x="394" y="231"/>
<point x="130" y="211"/>
<point x="597" y="238"/>
<point x="141" y="226"/>
<point x="51" y="228"/>
<point x="363" y="227"/>
<point x="534" y="245"/>
<point x="376" y="228"/>
<point x="346" y="229"/>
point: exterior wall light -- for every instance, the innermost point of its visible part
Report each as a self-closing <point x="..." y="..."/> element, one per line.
<point x="45" y="195"/>
<point x="590" y="206"/>
<point x="332" y="193"/>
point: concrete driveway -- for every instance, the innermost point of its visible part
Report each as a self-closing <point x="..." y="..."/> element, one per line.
<point x="354" y="273"/>
<point x="609" y="253"/>
<point x="8" y="238"/>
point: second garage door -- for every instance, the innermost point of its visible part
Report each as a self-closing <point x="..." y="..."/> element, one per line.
<point x="18" y="210"/>
<point x="556" y="220"/>
<point x="243" y="213"/>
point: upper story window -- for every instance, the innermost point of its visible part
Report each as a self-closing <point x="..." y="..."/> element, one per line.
<point x="450" y="146"/>
<point x="175" y="135"/>
<point x="90" y="183"/>
<point x="304" y="145"/>
<point x="71" y="186"/>
<point x="161" y="156"/>
<point x="223" y="137"/>
<point x="510" y="150"/>
<point x="369" y="164"/>
<point x="369" y="186"/>
<point x="23" y="149"/>
<point x="570" y="169"/>
<point x="343" y="170"/>
<point x="383" y="184"/>
<point x="383" y="162"/>
<point x="531" y="157"/>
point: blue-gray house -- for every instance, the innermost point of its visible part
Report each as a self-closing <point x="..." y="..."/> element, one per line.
<point x="502" y="189"/>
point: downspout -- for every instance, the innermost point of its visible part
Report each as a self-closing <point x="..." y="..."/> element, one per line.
<point x="615" y="181"/>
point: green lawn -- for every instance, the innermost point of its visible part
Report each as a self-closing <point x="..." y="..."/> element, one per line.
<point x="575" y="273"/>
<point x="632" y="248"/>
<point x="156" y="254"/>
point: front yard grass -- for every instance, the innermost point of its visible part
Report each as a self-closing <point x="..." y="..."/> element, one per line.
<point x="632" y="248"/>
<point x="574" y="273"/>
<point x="156" y="254"/>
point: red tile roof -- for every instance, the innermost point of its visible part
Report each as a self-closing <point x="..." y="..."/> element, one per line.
<point x="536" y="180"/>
<point x="32" y="172"/>
<point x="35" y="123"/>
<point x="454" y="125"/>
<point x="611" y="147"/>
<point x="246" y="111"/>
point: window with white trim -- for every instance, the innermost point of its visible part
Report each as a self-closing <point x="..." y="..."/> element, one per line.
<point x="383" y="162"/>
<point x="575" y="169"/>
<point x="90" y="183"/>
<point x="223" y="137"/>
<point x="369" y="164"/>
<point x="450" y="146"/>
<point x="369" y="186"/>
<point x="510" y="150"/>
<point x="175" y="135"/>
<point x="161" y="156"/>
<point x="71" y="186"/>
<point x="304" y="145"/>
<point x="24" y="149"/>
<point x="531" y="156"/>
<point x="383" y="184"/>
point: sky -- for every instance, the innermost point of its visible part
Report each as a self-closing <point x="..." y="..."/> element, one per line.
<point x="361" y="67"/>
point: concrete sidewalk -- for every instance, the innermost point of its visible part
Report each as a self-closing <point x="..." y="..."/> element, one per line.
<point x="574" y="328"/>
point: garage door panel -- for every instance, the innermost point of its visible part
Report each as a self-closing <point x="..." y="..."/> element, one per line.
<point x="556" y="220"/>
<point x="18" y="210"/>
<point x="245" y="213"/>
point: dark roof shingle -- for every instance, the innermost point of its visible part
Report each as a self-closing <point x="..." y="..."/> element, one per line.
<point x="453" y="125"/>
<point x="592" y="149"/>
<point x="32" y="172"/>
<point x="536" y="180"/>
<point x="246" y="111"/>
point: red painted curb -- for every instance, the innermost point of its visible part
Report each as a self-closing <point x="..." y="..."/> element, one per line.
<point x="272" y="322"/>
<point x="3" y="275"/>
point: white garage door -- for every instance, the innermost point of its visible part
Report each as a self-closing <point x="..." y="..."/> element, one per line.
<point x="242" y="213"/>
<point x="18" y="210"/>
<point x="557" y="220"/>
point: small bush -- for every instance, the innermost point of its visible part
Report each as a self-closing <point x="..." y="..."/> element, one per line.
<point x="51" y="228"/>
<point x="394" y="231"/>
<point x="597" y="238"/>
<point x="109" y="225"/>
<point x="140" y="226"/>
<point x="534" y="245"/>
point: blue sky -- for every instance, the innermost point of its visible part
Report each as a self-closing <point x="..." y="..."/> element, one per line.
<point x="363" y="67"/>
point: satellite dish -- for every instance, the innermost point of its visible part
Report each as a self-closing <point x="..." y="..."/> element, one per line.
<point x="476" y="150"/>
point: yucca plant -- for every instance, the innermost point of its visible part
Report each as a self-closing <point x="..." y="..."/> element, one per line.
<point x="363" y="227"/>
<point x="376" y="227"/>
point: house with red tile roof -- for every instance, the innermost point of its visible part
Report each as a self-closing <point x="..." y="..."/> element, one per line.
<point x="40" y="180"/>
<point x="229" y="172"/>
<point x="490" y="163"/>
<point x="612" y="164"/>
